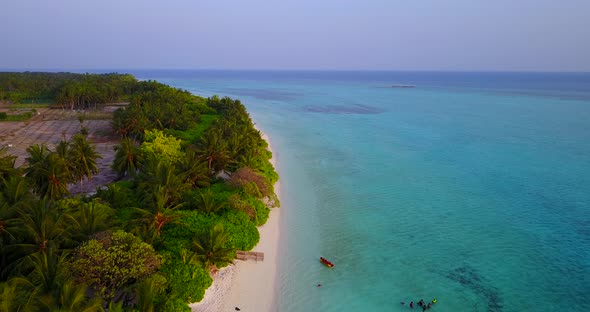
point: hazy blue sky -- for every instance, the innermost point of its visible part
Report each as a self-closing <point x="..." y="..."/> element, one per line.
<point x="552" y="35"/>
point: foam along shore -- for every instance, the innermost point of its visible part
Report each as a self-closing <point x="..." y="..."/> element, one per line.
<point x="249" y="285"/>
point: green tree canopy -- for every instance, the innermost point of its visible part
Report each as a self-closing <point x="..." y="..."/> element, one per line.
<point x="112" y="260"/>
<point x="158" y="145"/>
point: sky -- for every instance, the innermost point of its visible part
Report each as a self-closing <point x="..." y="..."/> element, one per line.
<point x="447" y="35"/>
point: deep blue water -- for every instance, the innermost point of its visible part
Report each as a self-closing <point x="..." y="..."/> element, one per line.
<point x="472" y="188"/>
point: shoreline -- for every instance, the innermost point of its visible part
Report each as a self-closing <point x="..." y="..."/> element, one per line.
<point x="249" y="285"/>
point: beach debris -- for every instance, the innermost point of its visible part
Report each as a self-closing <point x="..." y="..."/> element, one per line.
<point x="246" y="255"/>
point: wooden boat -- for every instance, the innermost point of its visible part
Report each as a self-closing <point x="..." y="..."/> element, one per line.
<point x="326" y="262"/>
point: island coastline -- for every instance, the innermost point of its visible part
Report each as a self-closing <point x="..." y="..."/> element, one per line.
<point x="249" y="285"/>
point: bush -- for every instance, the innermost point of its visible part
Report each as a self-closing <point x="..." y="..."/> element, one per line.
<point x="267" y="170"/>
<point x="3" y="115"/>
<point x="245" y="176"/>
<point x="163" y="147"/>
<point x="236" y="202"/>
<point x="179" y="236"/>
<point x="119" y="195"/>
<point x="243" y="234"/>
<point x="113" y="260"/>
<point x="176" y="305"/>
<point x="262" y="211"/>
<point x="186" y="282"/>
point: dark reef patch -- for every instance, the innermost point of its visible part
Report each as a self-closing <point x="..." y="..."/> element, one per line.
<point x="343" y="109"/>
<point x="468" y="277"/>
<point x="263" y="94"/>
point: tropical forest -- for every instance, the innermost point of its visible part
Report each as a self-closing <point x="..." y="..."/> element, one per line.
<point x="191" y="181"/>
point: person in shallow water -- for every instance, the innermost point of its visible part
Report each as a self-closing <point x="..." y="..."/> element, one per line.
<point x="412" y="304"/>
<point x="421" y="302"/>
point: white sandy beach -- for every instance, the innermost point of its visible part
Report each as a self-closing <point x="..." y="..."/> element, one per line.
<point x="249" y="285"/>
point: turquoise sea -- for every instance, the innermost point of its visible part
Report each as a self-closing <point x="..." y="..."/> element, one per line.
<point x="472" y="188"/>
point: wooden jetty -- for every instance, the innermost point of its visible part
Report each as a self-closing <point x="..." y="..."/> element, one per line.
<point x="249" y="255"/>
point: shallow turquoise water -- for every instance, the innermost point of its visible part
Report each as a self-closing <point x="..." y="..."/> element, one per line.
<point x="471" y="189"/>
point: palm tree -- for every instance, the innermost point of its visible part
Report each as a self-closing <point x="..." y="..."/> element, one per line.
<point x="43" y="226"/>
<point x="158" y="176"/>
<point x="57" y="178"/>
<point x="91" y="218"/>
<point x="83" y="156"/>
<point x="150" y="221"/>
<point x="115" y="307"/>
<point x="207" y="203"/>
<point x="235" y="143"/>
<point x="71" y="297"/>
<point x="248" y="160"/>
<point x="48" y="270"/>
<point x="210" y="248"/>
<point x="145" y="295"/>
<point x="115" y="195"/>
<point x="9" y="231"/>
<point x="47" y="172"/>
<point x="8" y="224"/>
<point x="62" y="149"/>
<point x="35" y="163"/>
<point x="128" y="158"/>
<point x="213" y="149"/>
<point x="49" y="289"/>
<point x="191" y="170"/>
<point x="15" y="191"/>
<point x="14" y="295"/>
<point x="14" y="195"/>
<point x="6" y="164"/>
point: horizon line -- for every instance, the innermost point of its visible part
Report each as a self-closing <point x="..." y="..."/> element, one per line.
<point x="119" y="70"/>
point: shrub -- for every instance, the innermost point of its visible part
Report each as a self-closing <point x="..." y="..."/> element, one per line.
<point x="244" y="176"/>
<point x="163" y="147"/>
<point x="112" y="260"/>
<point x="236" y="202"/>
<point x="176" y="305"/>
<point x="243" y="234"/>
<point x="186" y="282"/>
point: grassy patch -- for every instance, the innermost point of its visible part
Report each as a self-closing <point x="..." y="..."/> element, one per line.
<point x="191" y="135"/>
<point x="29" y="105"/>
<point x="16" y="117"/>
<point x="97" y="115"/>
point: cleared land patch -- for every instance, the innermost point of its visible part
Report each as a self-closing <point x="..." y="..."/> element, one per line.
<point x="50" y="126"/>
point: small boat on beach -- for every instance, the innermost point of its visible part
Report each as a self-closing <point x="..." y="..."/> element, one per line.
<point x="326" y="262"/>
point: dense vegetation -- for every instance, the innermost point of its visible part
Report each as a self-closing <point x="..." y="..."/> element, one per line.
<point x="74" y="91"/>
<point x="195" y="181"/>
